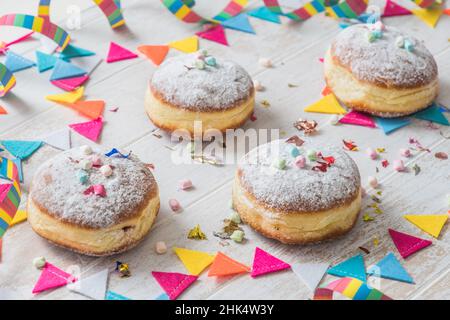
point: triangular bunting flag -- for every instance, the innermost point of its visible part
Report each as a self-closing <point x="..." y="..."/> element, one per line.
<point x="67" y="98"/>
<point x="52" y="277"/>
<point x="21" y="149"/>
<point x="163" y="296"/>
<point x="70" y="84"/>
<point x="239" y="23"/>
<point x="432" y="114"/>
<point x="390" y="268"/>
<point x="392" y="9"/>
<point x="110" y="295"/>
<point x="216" y="34"/>
<point x="15" y="62"/>
<point x="265" y="14"/>
<point x="59" y="139"/>
<point x="90" y="129"/>
<point x="45" y="61"/>
<point x="64" y="70"/>
<point x="157" y="54"/>
<point x="173" y="283"/>
<point x="194" y="261"/>
<point x="264" y="262"/>
<point x="389" y="125"/>
<point x="93" y="287"/>
<point x="72" y="51"/>
<point x="327" y="104"/>
<point x="359" y="119"/>
<point x="21" y="216"/>
<point x="310" y="273"/>
<point x="407" y="244"/>
<point x="431" y="224"/>
<point x="87" y="63"/>
<point x="118" y="53"/>
<point x="352" y="267"/>
<point x="429" y="15"/>
<point x="2" y="110"/>
<point x="225" y="266"/>
<point x="91" y="109"/>
<point x="447" y="11"/>
<point x="187" y="45"/>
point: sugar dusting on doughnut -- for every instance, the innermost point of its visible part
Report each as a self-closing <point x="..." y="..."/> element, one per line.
<point x="382" y="61"/>
<point x="218" y="87"/>
<point x="298" y="189"/>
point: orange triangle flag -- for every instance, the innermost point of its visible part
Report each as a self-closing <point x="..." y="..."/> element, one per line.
<point x="225" y="266"/>
<point x="155" y="53"/>
<point x="2" y="110"/>
<point x="92" y="109"/>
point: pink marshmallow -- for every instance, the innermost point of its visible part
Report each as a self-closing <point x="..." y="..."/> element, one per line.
<point x="300" y="162"/>
<point x="405" y="153"/>
<point x="185" y="184"/>
<point x="372" y="153"/>
<point x="398" y="165"/>
<point x="96" y="160"/>
<point x="174" y="205"/>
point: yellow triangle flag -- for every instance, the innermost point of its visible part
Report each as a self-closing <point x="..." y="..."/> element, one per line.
<point x="67" y="98"/>
<point x="186" y="45"/>
<point x="20" y="216"/>
<point x="429" y="15"/>
<point x="431" y="224"/>
<point x="328" y="104"/>
<point x="194" y="261"/>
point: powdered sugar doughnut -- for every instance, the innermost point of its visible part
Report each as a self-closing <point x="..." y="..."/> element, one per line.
<point x="185" y="89"/>
<point x="383" y="72"/>
<point x="297" y="204"/>
<point x="89" y="211"/>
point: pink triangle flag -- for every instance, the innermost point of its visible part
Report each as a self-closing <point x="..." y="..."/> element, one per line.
<point x="90" y="129"/>
<point x="407" y="244"/>
<point x="264" y="262"/>
<point x="392" y="9"/>
<point x="359" y="119"/>
<point x="118" y="53"/>
<point x="52" y="277"/>
<point x="216" y="34"/>
<point x="70" y="84"/>
<point x="173" y="283"/>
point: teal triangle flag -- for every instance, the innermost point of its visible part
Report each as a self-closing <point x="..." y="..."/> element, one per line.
<point x="15" y="62"/>
<point x="264" y="13"/>
<point x="240" y="23"/>
<point x="389" y="125"/>
<point x="72" y="51"/>
<point x="45" y="61"/>
<point x="390" y="268"/>
<point x="162" y="296"/>
<point x="352" y="267"/>
<point x="432" y="114"/>
<point x="64" y="70"/>
<point x="110" y="295"/>
<point x="21" y="149"/>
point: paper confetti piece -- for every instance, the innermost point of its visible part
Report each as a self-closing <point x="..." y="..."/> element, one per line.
<point x="264" y="14"/>
<point x="432" y="114"/>
<point x="354" y="289"/>
<point x="91" y="129"/>
<point x="157" y="54"/>
<point x="60" y="139"/>
<point x="72" y="51"/>
<point x="21" y="216"/>
<point x="389" y="125"/>
<point x="64" y="70"/>
<point x="392" y="9"/>
<point x="110" y="295"/>
<point x="119" y="53"/>
<point x="264" y="262"/>
<point x="429" y="15"/>
<point x="239" y="23"/>
<point x="310" y="273"/>
<point x="194" y="261"/>
<point x="352" y="267"/>
<point x="187" y="45"/>
<point x="7" y="80"/>
<point x="431" y="224"/>
<point x="407" y="244"/>
<point x="173" y="283"/>
<point x="225" y="266"/>
<point x="15" y="62"/>
<point x="93" y="286"/>
<point x="359" y="119"/>
<point x="70" y="84"/>
<point x="327" y="104"/>
<point x="215" y="34"/>
<point x="21" y="149"/>
<point x="52" y="277"/>
<point x="92" y="109"/>
<point x="67" y="98"/>
<point x="390" y="268"/>
<point x="45" y="61"/>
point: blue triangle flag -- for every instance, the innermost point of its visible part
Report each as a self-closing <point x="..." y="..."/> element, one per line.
<point x="110" y="295"/>
<point x="162" y="296"/>
<point x="45" y="61"/>
<point x="391" y="124"/>
<point x="352" y="267"/>
<point x="264" y="13"/>
<point x="432" y="114"/>
<point x="65" y="70"/>
<point x="390" y="268"/>
<point x="21" y="149"/>
<point x="15" y="62"/>
<point x="72" y="51"/>
<point x="239" y="22"/>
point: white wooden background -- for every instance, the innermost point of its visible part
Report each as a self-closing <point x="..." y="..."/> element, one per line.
<point x="295" y="50"/>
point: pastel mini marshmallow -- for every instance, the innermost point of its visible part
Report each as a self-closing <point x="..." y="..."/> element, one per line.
<point x="39" y="262"/>
<point x="258" y="85"/>
<point x="300" y="162"/>
<point x="174" y="205"/>
<point x="373" y="182"/>
<point x="398" y="165"/>
<point x="160" y="247"/>
<point x="185" y="184"/>
<point x="405" y="153"/>
<point x="265" y="62"/>
<point x="85" y="164"/>
<point x="87" y="150"/>
<point x="106" y="170"/>
<point x="372" y="153"/>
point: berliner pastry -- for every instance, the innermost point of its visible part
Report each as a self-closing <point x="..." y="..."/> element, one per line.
<point x="93" y="204"/>
<point x="381" y="70"/>
<point x="199" y="87"/>
<point x="297" y="195"/>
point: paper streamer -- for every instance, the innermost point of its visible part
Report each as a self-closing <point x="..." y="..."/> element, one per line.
<point x="351" y="288"/>
<point x="9" y="195"/>
<point x="7" y="80"/>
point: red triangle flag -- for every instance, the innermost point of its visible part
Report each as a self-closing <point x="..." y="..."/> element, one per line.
<point x="216" y="34"/>
<point x="90" y="129"/>
<point x="118" y="53"/>
<point x="264" y="262"/>
<point x="52" y="277"/>
<point x="392" y="9"/>
<point x="155" y="53"/>
<point x="407" y="244"/>
<point x="225" y="266"/>
<point x="174" y="283"/>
